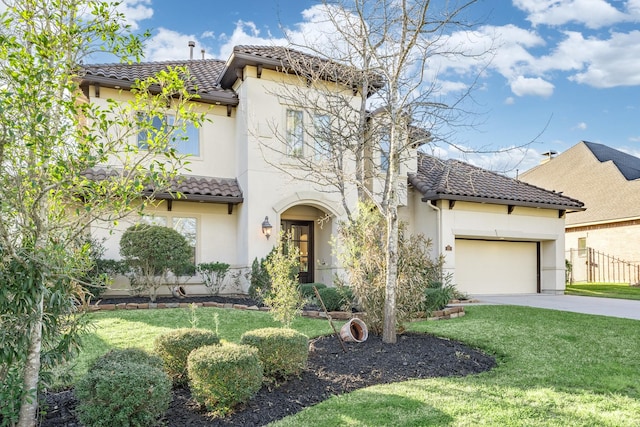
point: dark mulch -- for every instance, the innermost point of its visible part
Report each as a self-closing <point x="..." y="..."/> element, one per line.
<point x="330" y="371"/>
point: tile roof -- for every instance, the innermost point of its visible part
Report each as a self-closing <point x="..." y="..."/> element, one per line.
<point x="204" y="74"/>
<point x="450" y="179"/>
<point x="193" y="188"/>
<point x="628" y="165"/>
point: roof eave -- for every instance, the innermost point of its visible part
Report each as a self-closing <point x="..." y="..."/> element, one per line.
<point x="522" y="203"/>
<point x="217" y="98"/>
<point x="205" y="198"/>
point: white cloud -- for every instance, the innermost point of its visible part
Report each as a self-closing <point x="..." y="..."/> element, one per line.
<point x="580" y="126"/>
<point x="522" y="86"/>
<point x="135" y="11"/>
<point x="245" y="33"/>
<point x="592" y="13"/>
<point x="169" y="45"/>
<point x="510" y="100"/>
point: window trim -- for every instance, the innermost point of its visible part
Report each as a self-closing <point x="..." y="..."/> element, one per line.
<point x="143" y="146"/>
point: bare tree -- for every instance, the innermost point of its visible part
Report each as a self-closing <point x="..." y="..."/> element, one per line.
<point x="371" y="82"/>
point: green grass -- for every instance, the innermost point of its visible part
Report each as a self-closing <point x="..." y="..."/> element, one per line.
<point x="555" y="369"/>
<point x="139" y="328"/>
<point x="604" y="290"/>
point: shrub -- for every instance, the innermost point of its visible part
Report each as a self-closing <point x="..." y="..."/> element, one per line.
<point x="259" y="278"/>
<point x="174" y="348"/>
<point x="332" y="299"/>
<point x="152" y="251"/>
<point x="213" y="275"/>
<point x="306" y="289"/>
<point x="117" y="390"/>
<point x="438" y="295"/>
<point x="363" y="256"/>
<point x="126" y="355"/>
<point x="222" y="376"/>
<point x="283" y="352"/>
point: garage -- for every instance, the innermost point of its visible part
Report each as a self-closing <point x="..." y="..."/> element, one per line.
<point x="496" y="267"/>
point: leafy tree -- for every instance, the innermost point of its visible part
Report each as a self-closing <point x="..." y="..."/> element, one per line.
<point x="50" y="136"/>
<point x="152" y="252"/>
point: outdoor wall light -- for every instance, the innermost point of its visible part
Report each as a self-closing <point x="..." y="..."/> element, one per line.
<point x="266" y="227"/>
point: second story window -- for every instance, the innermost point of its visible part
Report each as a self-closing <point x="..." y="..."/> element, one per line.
<point x="295" y="133"/>
<point x="185" y="141"/>
<point x="385" y="146"/>
<point x="321" y="134"/>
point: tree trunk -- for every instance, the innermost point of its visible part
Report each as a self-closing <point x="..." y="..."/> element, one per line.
<point x="389" y="326"/>
<point x="29" y="403"/>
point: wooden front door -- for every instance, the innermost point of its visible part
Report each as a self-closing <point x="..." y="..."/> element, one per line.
<point x="301" y="235"/>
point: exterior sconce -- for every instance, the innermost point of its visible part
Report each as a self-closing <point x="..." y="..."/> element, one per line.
<point x="266" y="227"/>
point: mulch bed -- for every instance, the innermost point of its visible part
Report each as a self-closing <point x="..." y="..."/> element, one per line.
<point x="330" y="371"/>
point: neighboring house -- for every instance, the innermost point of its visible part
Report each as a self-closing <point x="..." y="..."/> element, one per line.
<point x="498" y="235"/>
<point x="608" y="182"/>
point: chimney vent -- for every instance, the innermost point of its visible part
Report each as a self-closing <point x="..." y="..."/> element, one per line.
<point x="548" y="156"/>
<point x="202" y="52"/>
<point x="192" y="44"/>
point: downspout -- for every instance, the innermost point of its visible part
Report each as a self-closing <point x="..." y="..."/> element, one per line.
<point x="439" y="222"/>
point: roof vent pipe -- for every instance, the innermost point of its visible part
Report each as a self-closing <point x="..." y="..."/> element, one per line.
<point x="202" y="52"/>
<point x="192" y="44"/>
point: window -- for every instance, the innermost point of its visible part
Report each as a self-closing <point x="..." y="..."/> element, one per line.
<point x="187" y="226"/>
<point x="321" y="134"/>
<point x="295" y="139"/>
<point x="384" y="152"/>
<point x="185" y="141"/>
<point x="582" y="246"/>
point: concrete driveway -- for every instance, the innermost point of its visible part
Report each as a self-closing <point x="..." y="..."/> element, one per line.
<point x="629" y="309"/>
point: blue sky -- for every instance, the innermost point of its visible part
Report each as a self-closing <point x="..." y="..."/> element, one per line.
<point x="562" y="71"/>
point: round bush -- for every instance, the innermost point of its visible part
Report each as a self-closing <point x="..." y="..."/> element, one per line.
<point x="174" y="348"/>
<point x="283" y="352"/>
<point x="222" y="376"/>
<point x="123" y="394"/>
<point x="306" y="289"/>
<point x="126" y="355"/>
<point x="332" y="299"/>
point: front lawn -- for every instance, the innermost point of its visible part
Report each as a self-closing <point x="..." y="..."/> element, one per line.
<point x="555" y="369"/>
<point x="604" y="290"/>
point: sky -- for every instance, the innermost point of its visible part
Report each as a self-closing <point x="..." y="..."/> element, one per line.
<point x="560" y="71"/>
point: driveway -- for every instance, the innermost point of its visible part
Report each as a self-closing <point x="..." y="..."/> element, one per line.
<point x="629" y="309"/>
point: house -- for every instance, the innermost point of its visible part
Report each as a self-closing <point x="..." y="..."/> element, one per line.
<point x="608" y="182"/>
<point x="498" y="235"/>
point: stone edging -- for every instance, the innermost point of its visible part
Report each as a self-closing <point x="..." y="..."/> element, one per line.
<point x="447" y="313"/>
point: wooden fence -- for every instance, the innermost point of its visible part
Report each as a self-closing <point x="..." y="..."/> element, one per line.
<point x="592" y="266"/>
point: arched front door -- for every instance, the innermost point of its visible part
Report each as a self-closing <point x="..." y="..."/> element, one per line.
<point x="301" y="235"/>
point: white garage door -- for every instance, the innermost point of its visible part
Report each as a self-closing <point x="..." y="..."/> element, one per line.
<point x="496" y="267"/>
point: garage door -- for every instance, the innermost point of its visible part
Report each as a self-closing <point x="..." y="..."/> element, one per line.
<point x="496" y="267"/>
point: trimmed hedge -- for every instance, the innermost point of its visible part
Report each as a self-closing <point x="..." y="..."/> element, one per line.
<point x="126" y="355"/>
<point x="123" y="389"/>
<point x="332" y="299"/>
<point x="283" y="352"/>
<point x="222" y="376"/>
<point x="174" y="348"/>
<point x="306" y="289"/>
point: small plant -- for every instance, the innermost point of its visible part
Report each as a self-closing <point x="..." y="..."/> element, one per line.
<point x="220" y="377"/>
<point x="283" y="352"/>
<point x="193" y="315"/>
<point x="213" y="275"/>
<point x="284" y="299"/>
<point x="174" y="348"/>
<point x="124" y="389"/>
<point x="259" y="277"/>
<point x="306" y="289"/>
<point x="437" y="295"/>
